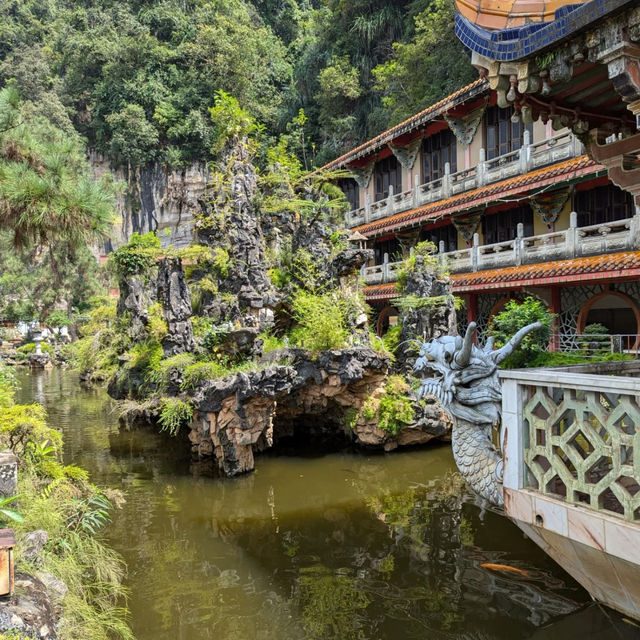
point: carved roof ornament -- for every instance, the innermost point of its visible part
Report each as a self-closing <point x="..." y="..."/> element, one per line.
<point x="362" y="175"/>
<point x="547" y="206"/>
<point x="465" y="127"/>
<point x="406" y="154"/>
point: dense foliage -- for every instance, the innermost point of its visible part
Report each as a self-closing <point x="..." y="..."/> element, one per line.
<point x="50" y="209"/>
<point x="137" y="78"/>
<point x="60" y="499"/>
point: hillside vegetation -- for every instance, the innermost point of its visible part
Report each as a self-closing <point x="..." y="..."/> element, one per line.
<point x="137" y="78"/>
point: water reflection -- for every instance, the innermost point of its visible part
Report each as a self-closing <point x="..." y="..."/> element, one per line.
<point x="344" y="546"/>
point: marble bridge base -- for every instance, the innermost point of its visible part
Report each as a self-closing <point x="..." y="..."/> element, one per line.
<point x="600" y="552"/>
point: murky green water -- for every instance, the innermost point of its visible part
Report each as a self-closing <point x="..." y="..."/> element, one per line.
<point x="342" y="546"/>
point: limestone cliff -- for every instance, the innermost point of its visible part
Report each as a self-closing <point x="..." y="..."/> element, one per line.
<point x="155" y="198"/>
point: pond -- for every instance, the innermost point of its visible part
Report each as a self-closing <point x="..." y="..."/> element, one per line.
<point x="344" y="545"/>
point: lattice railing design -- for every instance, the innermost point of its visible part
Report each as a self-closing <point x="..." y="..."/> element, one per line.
<point x="579" y="446"/>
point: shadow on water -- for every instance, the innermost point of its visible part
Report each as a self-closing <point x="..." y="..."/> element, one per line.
<point x="342" y="545"/>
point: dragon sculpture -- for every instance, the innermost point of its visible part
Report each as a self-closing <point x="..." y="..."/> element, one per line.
<point x="469" y="389"/>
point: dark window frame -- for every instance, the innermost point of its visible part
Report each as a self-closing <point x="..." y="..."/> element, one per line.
<point x="437" y="150"/>
<point x="387" y="172"/>
<point x="351" y="191"/>
<point x="601" y="205"/>
<point x="446" y="232"/>
<point x="501" y="136"/>
<point x="503" y="225"/>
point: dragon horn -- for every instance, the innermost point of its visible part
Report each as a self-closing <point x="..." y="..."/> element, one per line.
<point x="512" y="345"/>
<point x="464" y="355"/>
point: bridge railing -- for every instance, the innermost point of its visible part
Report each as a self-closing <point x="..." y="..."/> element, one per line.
<point x="571" y="436"/>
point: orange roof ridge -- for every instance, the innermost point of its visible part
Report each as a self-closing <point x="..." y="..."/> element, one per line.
<point x="581" y="165"/>
<point x="476" y="87"/>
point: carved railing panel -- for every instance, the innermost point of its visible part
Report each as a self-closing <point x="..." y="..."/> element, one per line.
<point x="579" y="446"/>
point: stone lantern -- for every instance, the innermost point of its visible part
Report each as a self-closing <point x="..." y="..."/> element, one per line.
<point x="37" y="339"/>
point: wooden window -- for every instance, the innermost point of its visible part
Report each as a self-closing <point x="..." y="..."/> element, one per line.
<point x="391" y="247"/>
<point x="502" y="136"/>
<point x="446" y="233"/>
<point x="437" y="150"/>
<point x="503" y="226"/>
<point x="351" y="191"/>
<point x="388" y="172"/>
<point x="602" y="205"/>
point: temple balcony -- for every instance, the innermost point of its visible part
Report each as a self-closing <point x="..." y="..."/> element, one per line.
<point x="574" y="242"/>
<point x="529" y="157"/>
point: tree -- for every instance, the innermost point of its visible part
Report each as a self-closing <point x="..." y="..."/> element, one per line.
<point x="515" y="316"/>
<point x="425" y="69"/>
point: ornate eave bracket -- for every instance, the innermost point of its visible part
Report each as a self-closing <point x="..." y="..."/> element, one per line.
<point x="406" y="154"/>
<point x="465" y="127"/>
<point x="362" y="175"/>
<point x="547" y="206"/>
<point x="468" y="224"/>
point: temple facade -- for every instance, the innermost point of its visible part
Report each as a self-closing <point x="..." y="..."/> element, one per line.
<point x="507" y="192"/>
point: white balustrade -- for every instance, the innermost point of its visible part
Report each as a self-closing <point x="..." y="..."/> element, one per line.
<point x="575" y="241"/>
<point x="530" y="156"/>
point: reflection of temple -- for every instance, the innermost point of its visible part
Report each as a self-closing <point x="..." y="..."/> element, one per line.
<point x="498" y="177"/>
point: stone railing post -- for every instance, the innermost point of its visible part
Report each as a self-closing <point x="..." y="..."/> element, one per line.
<point x="577" y="148"/>
<point x="525" y="152"/>
<point x="481" y="176"/>
<point x="367" y="207"/>
<point x="385" y="268"/>
<point x="416" y="192"/>
<point x="633" y="241"/>
<point x="572" y="236"/>
<point x="475" y="253"/>
<point x="446" y="180"/>
<point x="518" y="245"/>
<point x="390" y="201"/>
<point x="441" y="252"/>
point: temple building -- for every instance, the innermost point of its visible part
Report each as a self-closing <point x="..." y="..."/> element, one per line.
<point x="498" y="177"/>
<point x="538" y="193"/>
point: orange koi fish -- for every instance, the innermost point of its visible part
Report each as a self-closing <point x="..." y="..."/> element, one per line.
<point x="504" y="568"/>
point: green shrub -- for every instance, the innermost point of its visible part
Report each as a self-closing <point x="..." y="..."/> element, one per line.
<point x="222" y="261"/>
<point x="137" y="256"/>
<point x="280" y="278"/>
<point x="391" y="339"/>
<point x="270" y="342"/>
<point x="23" y="352"/>
<point x="595" y="338"/>
<point x="57" y="319"/>
<point x="157" y="326"/>
<point x="514" y="317"/>
<point x="160" y="374"/>
<point x="321" y="321"/>
<point x="395" y="410"/>
<point x="173" y="414"/>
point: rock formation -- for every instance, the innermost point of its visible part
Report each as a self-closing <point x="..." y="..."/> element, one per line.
<point x="175" y="297"/>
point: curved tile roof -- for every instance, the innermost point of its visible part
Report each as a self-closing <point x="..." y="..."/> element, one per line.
<point x="472" y="90"/>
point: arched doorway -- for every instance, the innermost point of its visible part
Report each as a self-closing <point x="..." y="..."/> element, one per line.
<point x="616" y="311"/>
<point x="387" y="318"/>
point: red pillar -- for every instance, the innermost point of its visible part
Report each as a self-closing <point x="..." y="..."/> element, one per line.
<point x="554" y="344"/>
